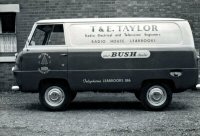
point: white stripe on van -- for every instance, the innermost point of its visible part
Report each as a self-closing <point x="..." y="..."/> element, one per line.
<point x="66" y="48"/>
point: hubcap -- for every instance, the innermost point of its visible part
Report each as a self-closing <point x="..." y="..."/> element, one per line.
<point x="54" y="96"/>
<point x="156" y="95"/>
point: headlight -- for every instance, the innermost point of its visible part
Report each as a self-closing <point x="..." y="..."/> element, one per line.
<point x="13" y="69"/>
<point x="16" y="55"/>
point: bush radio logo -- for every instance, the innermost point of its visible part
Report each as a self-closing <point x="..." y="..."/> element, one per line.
<point x="125" y="54"/>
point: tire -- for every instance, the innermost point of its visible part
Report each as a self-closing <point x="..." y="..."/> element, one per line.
<point x="73" y="95"/>
<point x="156" y="97"/>
<point x="55" y="96"/>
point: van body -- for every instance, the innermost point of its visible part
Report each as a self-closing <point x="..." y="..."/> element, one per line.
<point x="108" y="55"/>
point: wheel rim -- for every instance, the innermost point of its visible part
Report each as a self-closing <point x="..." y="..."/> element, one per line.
<point x="54" y="96"/>
<point x="156" y="95"/>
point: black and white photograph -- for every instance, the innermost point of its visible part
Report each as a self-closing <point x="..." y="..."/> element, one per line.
<point x="99" y="68"/>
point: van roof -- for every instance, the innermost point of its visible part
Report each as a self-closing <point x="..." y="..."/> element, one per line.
<point x="106" y="20"/>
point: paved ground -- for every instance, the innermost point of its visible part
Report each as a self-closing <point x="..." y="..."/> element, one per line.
<point x="99" y="114"/>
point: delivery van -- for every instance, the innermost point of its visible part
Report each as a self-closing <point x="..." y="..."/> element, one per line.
<point x="151" y="57"/>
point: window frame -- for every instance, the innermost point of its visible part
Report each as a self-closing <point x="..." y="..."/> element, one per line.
<point x="9" y="8"/>
<point x="8" y="58"/>
<point x="27" y="45"/>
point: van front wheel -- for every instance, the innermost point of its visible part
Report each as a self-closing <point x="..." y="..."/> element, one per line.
<point x="156" y="96"/>
<point x="55" y="96"/>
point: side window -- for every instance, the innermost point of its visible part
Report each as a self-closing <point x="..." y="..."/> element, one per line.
<point x="57" y="36"/>
<point x="48" y="35"/>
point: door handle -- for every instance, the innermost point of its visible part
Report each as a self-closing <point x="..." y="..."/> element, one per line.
<point x="63" y="54"/>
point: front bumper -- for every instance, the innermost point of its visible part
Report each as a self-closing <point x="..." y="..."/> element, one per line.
<point x="198" y="86"/>
<point x="15" y="88"/>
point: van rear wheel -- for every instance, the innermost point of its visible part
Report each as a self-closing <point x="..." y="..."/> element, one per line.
<point x="55" y="96"/>
<point x="156" y="96"/>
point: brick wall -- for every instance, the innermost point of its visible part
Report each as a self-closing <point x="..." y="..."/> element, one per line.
<point x="33" y="10"/>
<point x="6" y="77"/>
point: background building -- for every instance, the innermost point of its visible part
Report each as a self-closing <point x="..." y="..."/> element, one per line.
<point x="18" y="16"/>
